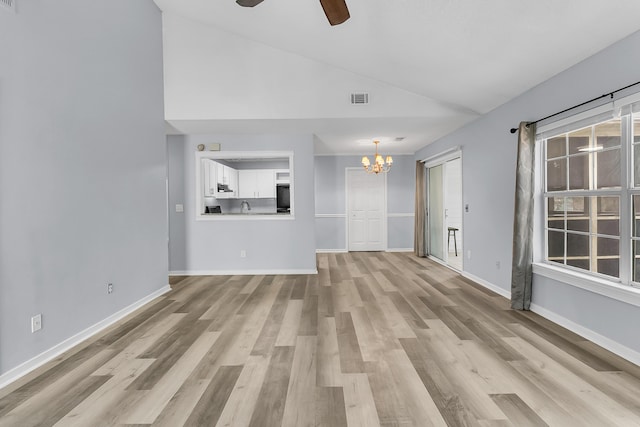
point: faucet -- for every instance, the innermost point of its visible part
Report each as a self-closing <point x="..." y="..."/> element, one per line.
<point x="244" y="206"/>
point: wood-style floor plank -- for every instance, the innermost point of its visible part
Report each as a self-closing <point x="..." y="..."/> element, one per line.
<point x="242" y="401"/>
<point x="212" y="402"/>
<point x="373" y="340"/>
<point x="518" y="412"/>
<point x="300" y="406"/>
<point x="269" y="407"/>
<point x="330" y="407"/>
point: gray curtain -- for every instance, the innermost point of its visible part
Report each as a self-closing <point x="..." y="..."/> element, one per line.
<point x="421" y="207"/>
<point x="523" y="220"/>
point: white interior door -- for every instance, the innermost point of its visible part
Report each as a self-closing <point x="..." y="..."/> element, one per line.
<point x="366" y="196"/>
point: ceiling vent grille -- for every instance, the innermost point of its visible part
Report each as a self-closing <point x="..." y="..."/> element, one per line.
<point x="359" y="98"/>
<point x="8" y="4"/>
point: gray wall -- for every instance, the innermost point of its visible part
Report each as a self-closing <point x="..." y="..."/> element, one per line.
<point x="270" y="245"/>
<point x="177" y="220"/>
<point x="330" y="201"/>
<point x="489" y="158"/>
<point x="82" y="167"/>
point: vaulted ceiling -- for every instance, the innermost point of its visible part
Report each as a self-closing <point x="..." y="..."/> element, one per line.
<point x="429" y="66"/>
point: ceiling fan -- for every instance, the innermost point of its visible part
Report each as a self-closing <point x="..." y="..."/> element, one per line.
<point x="336" y="10"/>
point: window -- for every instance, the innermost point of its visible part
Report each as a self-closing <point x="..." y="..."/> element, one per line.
<point x="244" y="185"/>
<point x="591" y="195"/>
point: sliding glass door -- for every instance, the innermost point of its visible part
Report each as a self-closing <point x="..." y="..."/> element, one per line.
<point x="435" y="212"/>
<point x="444" y="210"/>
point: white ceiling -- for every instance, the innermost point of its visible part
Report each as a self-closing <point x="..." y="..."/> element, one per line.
<point x="452" y="59"/>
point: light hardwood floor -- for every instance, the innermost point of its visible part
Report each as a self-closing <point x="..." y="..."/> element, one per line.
<point x="375" y="339"/>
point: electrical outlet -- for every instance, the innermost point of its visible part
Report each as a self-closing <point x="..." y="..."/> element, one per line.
<point x="498" y="265"/>
<point x="243" y="254"/>
<point x="36" y="323"/>
<point x="179" y="208"/>
<point x="469" y="254"/>
<point x="109" y="288"/>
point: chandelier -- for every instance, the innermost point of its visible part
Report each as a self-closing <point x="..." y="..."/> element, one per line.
<point x="379" y="164"/>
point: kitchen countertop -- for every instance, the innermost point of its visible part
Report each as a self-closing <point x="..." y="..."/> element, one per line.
<point x="246" y="214"/>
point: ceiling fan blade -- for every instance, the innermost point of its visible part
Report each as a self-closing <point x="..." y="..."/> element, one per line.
<point x="336" y="11"/>
<point x="248" y="3"/>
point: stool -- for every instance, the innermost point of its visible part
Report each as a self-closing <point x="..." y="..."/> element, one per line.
<point x="455" y="244"/>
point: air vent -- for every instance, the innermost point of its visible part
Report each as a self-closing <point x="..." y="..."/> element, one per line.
<point x="399" y="138"/>
<point x="8" y="4"/>
<point x="359" y="98"/>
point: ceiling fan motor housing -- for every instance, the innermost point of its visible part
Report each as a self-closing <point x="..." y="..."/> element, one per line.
<point x="248" y="3"/>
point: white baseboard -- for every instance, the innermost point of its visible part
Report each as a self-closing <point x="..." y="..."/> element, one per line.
<point x="604" y="342"/>
<point x="55" y="351"/>
<point x="399" y="250"/>
<point x="241" y="272"/>
<point x="497" y="289"/>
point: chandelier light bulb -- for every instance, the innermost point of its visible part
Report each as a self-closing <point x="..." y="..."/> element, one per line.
<point x="379" y="164"/>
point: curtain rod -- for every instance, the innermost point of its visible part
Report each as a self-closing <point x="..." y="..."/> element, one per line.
<point x="610" y="94"/>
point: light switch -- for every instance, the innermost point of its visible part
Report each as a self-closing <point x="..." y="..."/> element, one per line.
<point x="179" y="208"/>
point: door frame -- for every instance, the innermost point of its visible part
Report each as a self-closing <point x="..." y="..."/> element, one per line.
<point x="432" y="161"/>
<point x="385" y="243"/>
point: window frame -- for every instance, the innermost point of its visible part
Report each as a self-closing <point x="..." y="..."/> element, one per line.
<point x="592" y="192"/>
<point x="622" y="288"/>
<point x="244" y="155"/>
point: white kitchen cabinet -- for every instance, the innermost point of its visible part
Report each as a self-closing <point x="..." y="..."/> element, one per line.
<point x="232" y="179"/>
<point x="209" y="178"/>
<point x="257" y="184"/>
<point x="226" y="176"/>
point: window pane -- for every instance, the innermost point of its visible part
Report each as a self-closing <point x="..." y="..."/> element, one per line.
<point x="579" y="172"/>
<point x="579" y="140"/>
<point x="608" y="256"/>
<point x="608" y="168"/>
<point x="636" y="261"/>
<point x="556" y="147"/>
<point x="608" y="216"/>
<point x="557" y="175"/>
<point x="636" y="151"/>
<point x="635" y="201"/>
<point x="578" y="250"/>
<point x="610" y="227"/>
<point x="556" y="246"/>
<point x="608" y="141"/>
<point x="578" y="213"/>
<point x="577" y="245"/>
<point x="608" y="134"/>
<point x="555" y="212"/>
<point x="636" y="165"/>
